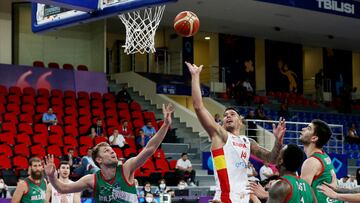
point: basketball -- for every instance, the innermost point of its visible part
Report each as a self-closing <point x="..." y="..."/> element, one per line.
<point x="186" y="24"/>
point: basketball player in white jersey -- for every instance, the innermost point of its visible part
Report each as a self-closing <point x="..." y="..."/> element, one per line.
<point x="230" y="150"/>
<point x="53" y="196"/>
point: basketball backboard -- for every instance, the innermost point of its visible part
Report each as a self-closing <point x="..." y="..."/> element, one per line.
<point x="80" y="5"/>
<point x="46" y="17"/>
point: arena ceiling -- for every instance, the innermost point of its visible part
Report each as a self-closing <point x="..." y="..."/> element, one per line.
<point x="258" y="19"/>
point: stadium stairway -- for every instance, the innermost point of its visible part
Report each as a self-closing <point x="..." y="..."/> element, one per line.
<point x="187" y="140"/>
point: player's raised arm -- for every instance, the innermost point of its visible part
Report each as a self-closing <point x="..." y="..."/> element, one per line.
<point x="78" y="186"/>
<point x="266" y="155"/>
<point x="136" y="162"/>
<point x="204" y="116"/>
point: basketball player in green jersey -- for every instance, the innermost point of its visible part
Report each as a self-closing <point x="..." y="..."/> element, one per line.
<point x="113" y="183"/>
<point x="32" y="189"/>
<point x="290" y="188"/>
<point x="317" y="168"/>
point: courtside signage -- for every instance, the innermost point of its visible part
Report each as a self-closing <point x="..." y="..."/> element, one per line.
<point x="346" y="8"/>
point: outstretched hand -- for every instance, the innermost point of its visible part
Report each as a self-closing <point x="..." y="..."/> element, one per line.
<point x="49" y="166"/>
<point x="194" y="69"/>
<point x="167" y="111"/>
<point x="327" y="191"/>
<point x="258" y="190"/>
<point x="279" y="130"/>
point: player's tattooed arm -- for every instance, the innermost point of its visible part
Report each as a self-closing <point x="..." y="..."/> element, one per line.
<point x="266" y="155"/>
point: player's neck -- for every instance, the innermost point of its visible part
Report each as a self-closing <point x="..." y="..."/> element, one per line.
<point x="286" y="172"/>
<point x="311" y="149"/>
<point x="37" y="181"/>
<point x="64" y="180"/>
<point x="108" y="172"/>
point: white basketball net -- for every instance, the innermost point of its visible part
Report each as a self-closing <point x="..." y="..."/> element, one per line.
<point x="141" y="26"/>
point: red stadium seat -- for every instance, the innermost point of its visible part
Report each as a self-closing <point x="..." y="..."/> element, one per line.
<point x="41" y="139"/>
<point x="5" y="163"/>
<point x="85" y="120"/>
<point x="56" y="93"/>
<point x="70" y="120"/>
<point x="13" y="108"/>
<point x="149" y="165"/>
<point x="56" y="140"/>
<point x="159" y="154"/>
<point x="40" y="128"/>
<point x="97" y="140"/>
<point x="70" y="140"/>
<point x="111" y="113"/>
<point x="26" y="118"/>
<point x="9" y="127"/>
<point x="14" y="90"/>
<point x="131" y="142"/>
<point x="172" y="164"/>
<point x="87" y="141"/>
<point x="149" y="115"/>
<point x="162" y="165"/>
<point x="56" y="130"/>
<point x="24" y="139"/>
<point x="11" y="118"/>
<point x="98" y="113"/>
<point x="13" y="99"/>
<point x="29" y="91"/>
<point x="7" y="138"/>
<point x="118" y="152"/>
<point x="53" y="65"/>
<point x="82" y="68"/>
<point x="110" y="105"/>
<point x="44" y="101"/>
<point x="71" y="111"/>
<point x="138" y="123"/>
<point x="83" y="95"/>
<point x="71" y="130"/>
<point x="56" y="101"/>
<point x="134" y="106"/>
<point x="96" y="96"/>
<point x="112" y="122"/>
<point x="6" y="150"/>
<point x="130" y="152"/>
<point x="54" y="150"/>
<point x="42" y="92"/>
<point x="68" y="66"/>
<point x="70" y="94"/>
<point x="28" y="109"/>
<point x="70" y="103"/>
<point x="109" y="97"/>
<point x="3" y="90"/>
<point x="83" y="103"/>
<point x="124" y="114"/>
<point x="25" y="128"/>
<point x="84" y="129"/>
<point x="20" y="162"/>
<point x="123" y="105"/>
<point x="39" y="64"/>
<point x="137" y="115"/>
<point x="84" y="112"/>
<point x="83" y="150"/>
<point x="22" y="149"/>
<point x="38" y="150"/>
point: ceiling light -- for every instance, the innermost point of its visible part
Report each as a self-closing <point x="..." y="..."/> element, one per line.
<point x="207" y="38"/>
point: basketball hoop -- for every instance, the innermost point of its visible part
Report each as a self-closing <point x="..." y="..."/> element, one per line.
<point x="141" y="26"/>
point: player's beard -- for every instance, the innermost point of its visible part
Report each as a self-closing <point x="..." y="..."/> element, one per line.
<point x="303" y="141"/>
<point x="36" y="175"/>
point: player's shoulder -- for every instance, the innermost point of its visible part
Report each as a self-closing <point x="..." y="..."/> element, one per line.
<point x="311" y="161"/>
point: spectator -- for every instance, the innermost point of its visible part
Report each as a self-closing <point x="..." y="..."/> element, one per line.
<point x="352" y="182"/>
<point x="49" y="117"/>
<point x="136" y="183"/>
<point x="162" y="188"/>
<point x="358" y="176"/>
<point x="3" y="188"/>
<point x="146" y="189"/>
<point x="252" y="173"/>
<point x="218" y="119"/>
<point x="142" y="139"/>
<point x="265" y="172"/>
<point x="182" y="184"/>
<point x="260" y="113"/>
<point x="184" y="168"/>
<point x="87" y="165"/>
<point x="148" y="129"/>
<point x="149" y="198"/>
<point x="125" y="130"/>
<point x="96" y="129"/>
<point x="74" y="162"/>
<point x="123" y="96"/>
<point x="251" y="125"/>
<point x="284" y="111"/>
<point x="118" y="140"/>
<point x="343" y="182"/>
<point x="248" y="92"/>
<point x="352" y="136"/>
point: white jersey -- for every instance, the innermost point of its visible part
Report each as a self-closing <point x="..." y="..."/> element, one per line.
<point x="230" y="170"/>
<point x="56" y="196"/>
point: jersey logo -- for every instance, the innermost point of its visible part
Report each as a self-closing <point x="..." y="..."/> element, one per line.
<point x="241" y="145"/>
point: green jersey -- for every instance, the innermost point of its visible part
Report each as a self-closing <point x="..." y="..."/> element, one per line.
<point x="300" y="190"/>
<point x="35" y="192"/>
<point x="325" y="176"/>
<point x="116" y="190"/>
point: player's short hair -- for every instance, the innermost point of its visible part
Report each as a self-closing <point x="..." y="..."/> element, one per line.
<point x="95" y="152"/>
<point x="293" y="157"/>
<point x="34" y="160"/>
<point x="63" y="163"/>
<point x="322" y="131"/>
<point x="234" y="108"/>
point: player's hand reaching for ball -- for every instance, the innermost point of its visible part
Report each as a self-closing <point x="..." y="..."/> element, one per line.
<point x="194" y="69"/>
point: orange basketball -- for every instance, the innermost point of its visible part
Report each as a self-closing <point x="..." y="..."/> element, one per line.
<point x="186" y="23"/>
